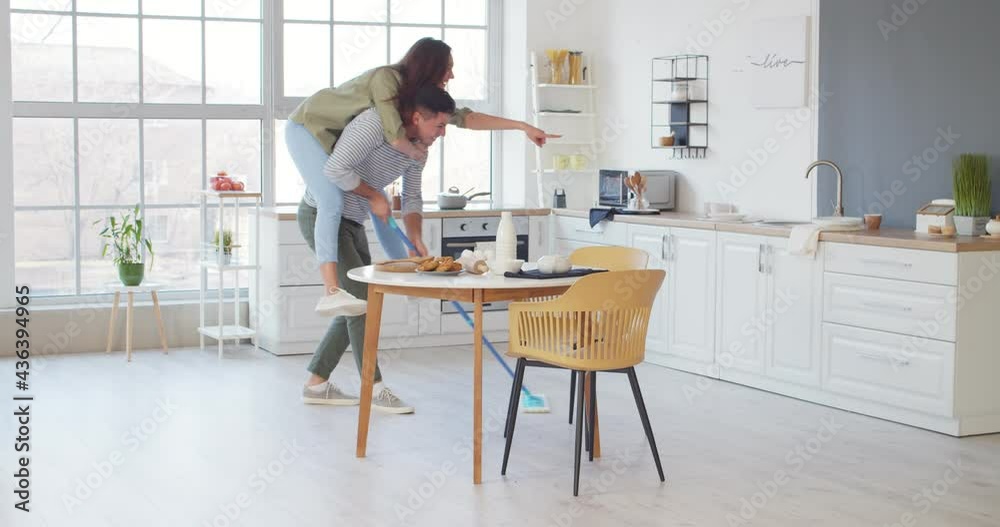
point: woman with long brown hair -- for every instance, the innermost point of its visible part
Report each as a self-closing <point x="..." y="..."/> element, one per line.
<point x="311" y="135"/>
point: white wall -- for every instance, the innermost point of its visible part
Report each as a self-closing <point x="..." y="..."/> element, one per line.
<point x="621" y="37"/>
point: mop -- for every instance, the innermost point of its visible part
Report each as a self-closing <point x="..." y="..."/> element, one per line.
<point x="531" y="403"/>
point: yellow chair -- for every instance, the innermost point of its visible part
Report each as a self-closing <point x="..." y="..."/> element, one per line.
<point x="599" y="324"/>
<point x="612" y="258"/>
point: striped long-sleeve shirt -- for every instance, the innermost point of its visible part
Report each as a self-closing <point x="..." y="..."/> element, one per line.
<point x="362" y="154"/>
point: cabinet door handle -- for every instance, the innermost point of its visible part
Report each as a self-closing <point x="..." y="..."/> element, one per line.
<point x="670" y="247"/>
<point x="663" y="247"/>
<point x="891" y="263"/>
<point x="887" y="307"/>
<point x="760" y="258"/>
<point x="882" y="358"/>
<point x="770" y="259"/>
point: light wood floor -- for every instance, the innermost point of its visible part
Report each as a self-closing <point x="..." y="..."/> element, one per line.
<point x="232" y="420"/>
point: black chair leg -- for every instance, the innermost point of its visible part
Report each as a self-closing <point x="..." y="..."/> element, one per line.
<point x="593" y="412"/>
<point x="634" y="381"/>
<point x="572" y="393"/>
<point x="518" y="380"/>
<point x="579" y="435"/>
<point x="512" y="405"/>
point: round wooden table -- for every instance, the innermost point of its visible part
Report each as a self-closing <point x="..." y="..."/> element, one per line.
<point x="466" y="287"/>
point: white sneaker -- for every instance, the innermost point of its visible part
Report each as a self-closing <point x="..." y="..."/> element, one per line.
<point x="388" y="402"/>
<point x="341" y="303"/>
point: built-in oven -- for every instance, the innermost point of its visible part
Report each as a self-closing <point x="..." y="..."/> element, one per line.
<point x="459" y="234"/>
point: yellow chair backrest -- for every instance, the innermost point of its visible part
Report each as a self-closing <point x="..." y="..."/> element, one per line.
<point x="600" y="323"/>
<point x="610" y="258"/>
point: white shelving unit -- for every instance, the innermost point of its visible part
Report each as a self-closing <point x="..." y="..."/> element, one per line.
<point x="228" y="203"/>
<point x="579" y="129"/>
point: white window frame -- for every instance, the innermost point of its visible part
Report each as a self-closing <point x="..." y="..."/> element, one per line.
<point x="285" y="105"/>
<point x="6" y="165"/>
<point x="273" y="105"/>
<point x="139" y="111"/>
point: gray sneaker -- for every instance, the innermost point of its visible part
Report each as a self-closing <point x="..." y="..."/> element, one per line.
<point x="331" y="395"/>
<point x="386" y="401"/>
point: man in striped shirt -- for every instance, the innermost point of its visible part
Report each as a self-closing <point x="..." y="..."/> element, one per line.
<point x="363" y="163"/>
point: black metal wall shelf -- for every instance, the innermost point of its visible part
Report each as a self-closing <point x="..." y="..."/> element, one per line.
<point x="680" y="89"/>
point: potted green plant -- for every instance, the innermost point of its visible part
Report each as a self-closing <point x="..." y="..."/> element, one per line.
<point x="225" y="243"/>
<point x="126" y="236"/>
<point x="971" y="184"/>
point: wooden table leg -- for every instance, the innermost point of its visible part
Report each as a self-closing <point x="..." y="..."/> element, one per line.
<point x="128" y="328"/>
<point x="373" y="323"/>
<point x="114" y="317"/>
<point x="159" y="321"/>
<point x="477" y="392"/>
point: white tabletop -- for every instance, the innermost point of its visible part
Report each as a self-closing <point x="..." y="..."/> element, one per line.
<point x="144" y="287"/>
<point x="369" y="275"/>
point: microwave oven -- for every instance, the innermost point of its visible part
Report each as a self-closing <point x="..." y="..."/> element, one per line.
<point x="661" y="186"/>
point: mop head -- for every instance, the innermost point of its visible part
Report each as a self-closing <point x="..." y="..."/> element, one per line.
<point x="534" y="403"/>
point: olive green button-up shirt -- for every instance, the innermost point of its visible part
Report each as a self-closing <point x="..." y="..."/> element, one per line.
<point x="326" y="113"/>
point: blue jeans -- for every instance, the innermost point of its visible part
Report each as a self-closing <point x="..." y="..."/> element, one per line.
<point x="309" y="158"/>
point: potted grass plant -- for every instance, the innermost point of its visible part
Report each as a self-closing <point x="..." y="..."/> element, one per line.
<point x="125" y="235"/>
<point x="224" y="242"/>
<point x="971" y="185"/>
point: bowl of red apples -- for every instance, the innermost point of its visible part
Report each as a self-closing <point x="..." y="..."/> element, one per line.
<point x="222" y="182"/>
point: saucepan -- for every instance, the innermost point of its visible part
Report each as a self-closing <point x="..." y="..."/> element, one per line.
<point x="453" y="200"/>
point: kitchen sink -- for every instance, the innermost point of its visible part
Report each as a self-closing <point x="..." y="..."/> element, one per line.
<point x="781" y="223"/>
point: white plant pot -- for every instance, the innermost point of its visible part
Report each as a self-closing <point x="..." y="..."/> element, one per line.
<point x="971" y="225"/>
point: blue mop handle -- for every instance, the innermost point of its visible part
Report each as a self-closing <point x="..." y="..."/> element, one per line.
<point x="461" y="310"/>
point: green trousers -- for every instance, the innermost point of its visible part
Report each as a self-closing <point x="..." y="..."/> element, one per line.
<point x="352" y="251"/>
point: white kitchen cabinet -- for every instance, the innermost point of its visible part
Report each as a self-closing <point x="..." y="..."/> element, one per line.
<point x="652" y="240"/>
<point x="768" y="311"/>
<point x="682" y="327"/>
<point x="794" y="314"/>
<point x="691" y="298"/>
<point x="741" y="303"/>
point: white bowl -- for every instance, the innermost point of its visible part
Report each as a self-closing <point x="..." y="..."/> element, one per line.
<point x="511" y="266"/>
<point x="553" y="264"/>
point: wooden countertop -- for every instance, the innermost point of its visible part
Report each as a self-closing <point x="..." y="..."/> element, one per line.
<point x="289" y="213"/>
<point x="897" y="238"/>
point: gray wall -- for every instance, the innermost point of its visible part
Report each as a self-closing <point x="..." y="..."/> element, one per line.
<point x="895" y="92"/>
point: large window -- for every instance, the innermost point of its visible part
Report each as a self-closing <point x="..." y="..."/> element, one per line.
<point x="119" y="102"/>
<point x="326" y="43"/>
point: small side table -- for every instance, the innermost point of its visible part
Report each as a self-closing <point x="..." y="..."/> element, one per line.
<point x="145" y="287"/>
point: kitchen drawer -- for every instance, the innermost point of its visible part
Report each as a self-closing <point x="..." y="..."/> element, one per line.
<point x="579" y="230"/>
<point x="298" y="266"/>
<point x="886" y="368"/>
<point x="924" y="310"/>
<point x="885" y="262"/>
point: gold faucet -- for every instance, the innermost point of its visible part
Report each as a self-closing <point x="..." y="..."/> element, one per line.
<point x="838" y="209"/>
